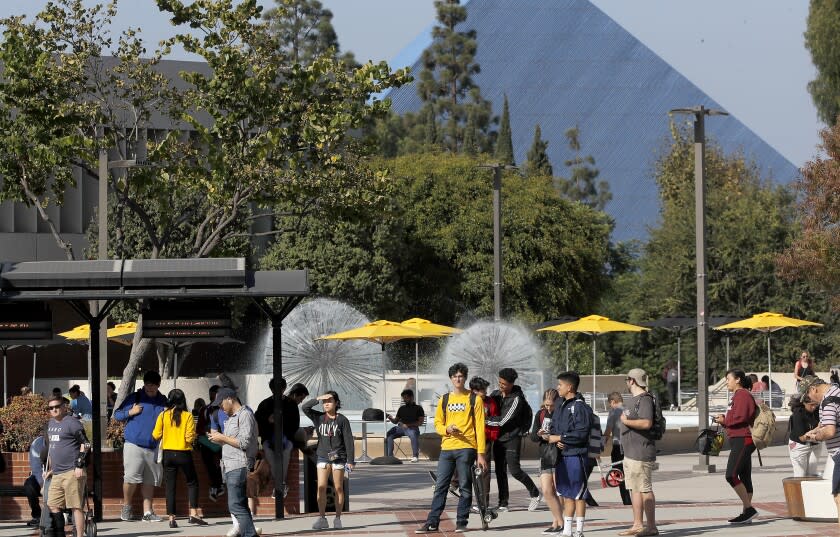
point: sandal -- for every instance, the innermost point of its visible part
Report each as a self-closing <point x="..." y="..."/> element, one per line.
<point x="631" y="531"/>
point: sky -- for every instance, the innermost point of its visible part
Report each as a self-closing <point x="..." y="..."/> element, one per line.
<point x="748" y="55"/>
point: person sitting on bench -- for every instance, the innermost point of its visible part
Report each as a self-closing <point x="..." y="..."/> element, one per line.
<point x="408" y="420"/>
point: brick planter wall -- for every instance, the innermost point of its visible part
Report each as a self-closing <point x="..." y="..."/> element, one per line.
<point x="17" y="470"/>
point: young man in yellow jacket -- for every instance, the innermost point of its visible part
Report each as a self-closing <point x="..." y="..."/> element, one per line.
<point x="459" y="420"/>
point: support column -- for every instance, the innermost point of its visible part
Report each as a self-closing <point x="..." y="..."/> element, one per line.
<point x="277" y="372"/>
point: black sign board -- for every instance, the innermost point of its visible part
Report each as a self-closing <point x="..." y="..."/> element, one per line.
<point x="180" y="320"/>
<point x="25" y="322"/>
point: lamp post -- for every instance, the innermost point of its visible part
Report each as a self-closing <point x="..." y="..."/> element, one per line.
<point x="98" y="357"/>
<point x="700" y="113"/>
<point x="497" y="236"/>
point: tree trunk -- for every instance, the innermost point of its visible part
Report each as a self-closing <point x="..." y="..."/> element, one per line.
<point x="139" y="346"/>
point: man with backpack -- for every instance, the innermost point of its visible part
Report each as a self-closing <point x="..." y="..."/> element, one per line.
<point x="637" y="440"/>
<point x="828" y="396"/>
<point x="514" y="423"/>
<point x="459" y="420"/>
<point x="140" y="411"/>
<point x="571" y="422"/>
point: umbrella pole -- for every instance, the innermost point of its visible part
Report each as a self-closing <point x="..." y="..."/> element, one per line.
<point x="727" y="352"/>
<point x="34" y="361"/>
<point x="679" y="374"/>
<point x="769" y="371"/>
<point x="593" y="371"/>
<point x="567" y="352"/>
<point x="5" y="379"/>
<point x="417" y="369"/>
<point x="384" y="406"/>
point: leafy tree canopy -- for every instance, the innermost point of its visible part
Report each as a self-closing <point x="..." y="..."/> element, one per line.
<point x="822" y="39"/>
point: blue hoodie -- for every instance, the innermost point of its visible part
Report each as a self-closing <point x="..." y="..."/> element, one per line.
<point x="138" y="429"/>
<point x="572" y="418"/>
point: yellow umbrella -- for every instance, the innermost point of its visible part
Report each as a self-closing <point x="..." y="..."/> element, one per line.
<point x="594" y="325"/>
<point x="120" y="332"/>
<point x="433" y="330"/>
<point x="381" y="332"/>
<point x="767" y="322"/>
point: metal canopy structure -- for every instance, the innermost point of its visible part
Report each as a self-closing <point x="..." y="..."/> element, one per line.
<point x="110" y="281"/>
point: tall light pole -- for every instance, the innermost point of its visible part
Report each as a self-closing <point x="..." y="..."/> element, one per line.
<point x="700" y="113"/>
<point x="497" y="236"/>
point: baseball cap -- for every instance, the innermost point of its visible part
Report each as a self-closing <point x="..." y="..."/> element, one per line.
<point x="639" y="375"/>
<point x="809" y="382"/>
<point x="222" y="394"/>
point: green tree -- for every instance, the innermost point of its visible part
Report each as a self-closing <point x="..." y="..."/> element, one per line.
<point x="46" y="121"/>
<point x="536" y="162"/>
<point x="815" y="250"/>
<point x="581" y="186"/>
<point x="504" y="141"/>
<point x="446" y="84"/>
<point x="750" y="221"/>
<point x="303" y="28"/>
<point x="822" y="39"/>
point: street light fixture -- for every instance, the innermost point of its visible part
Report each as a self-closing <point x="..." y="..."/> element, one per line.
<point x="497" y="235"/>
<point x="700" y="113"/>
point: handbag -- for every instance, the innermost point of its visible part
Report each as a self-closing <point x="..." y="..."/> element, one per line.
<point x="709" y="442"/>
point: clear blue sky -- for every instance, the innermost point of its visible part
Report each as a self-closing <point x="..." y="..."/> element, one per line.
<point x="748" y="55"/>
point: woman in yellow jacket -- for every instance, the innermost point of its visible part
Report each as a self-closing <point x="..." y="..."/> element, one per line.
<point x="176" y="428"/>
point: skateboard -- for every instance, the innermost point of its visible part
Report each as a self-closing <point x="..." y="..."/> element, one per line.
<point x="487" y="515"/>
<point x="452" y="491"/>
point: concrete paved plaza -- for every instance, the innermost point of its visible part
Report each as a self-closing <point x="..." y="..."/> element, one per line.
<point x="393" y="500"/>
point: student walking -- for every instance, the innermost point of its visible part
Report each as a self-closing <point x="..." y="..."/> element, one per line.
<point x="540" y="431"/>
<point x="737" y="421"/>
<point x="175" y="429"/>
<point x="458" y="420"/>
<point x="239" y="450"/>
<point x="334" y="453"/>
<point x="570" y="426"/>
<point x="612" y="440"/>
<point x="514" y="422"/>
<point x="639" y="454"/>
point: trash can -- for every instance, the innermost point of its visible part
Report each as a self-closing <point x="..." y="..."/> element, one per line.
<point x="310" y="488"/>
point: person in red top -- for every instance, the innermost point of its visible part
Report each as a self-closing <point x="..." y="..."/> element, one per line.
<point x="737" y="421"/>
<point x="491" y="433"/>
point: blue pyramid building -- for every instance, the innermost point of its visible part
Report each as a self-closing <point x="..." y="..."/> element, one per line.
<point x="564" y="63"/>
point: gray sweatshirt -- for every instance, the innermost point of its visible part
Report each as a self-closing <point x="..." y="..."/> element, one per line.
<point x="333" y="434"/>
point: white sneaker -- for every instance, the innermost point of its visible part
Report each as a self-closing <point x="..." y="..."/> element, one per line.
<point x="337" y="523"/>
<point x="321" y="523"/>
<point x="258" y="531"/>
<point x="535" y="502"/>
<point x="474" y="509"/>
<point x="233" y="532"/>
<point x="413" y="459"/>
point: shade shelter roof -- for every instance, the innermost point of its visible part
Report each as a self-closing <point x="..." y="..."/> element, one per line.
<point x="110" y="281"/>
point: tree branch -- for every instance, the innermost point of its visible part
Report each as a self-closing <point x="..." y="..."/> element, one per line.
<point x="66" y="246"/>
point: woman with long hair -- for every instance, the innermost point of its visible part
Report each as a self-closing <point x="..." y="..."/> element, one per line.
<point x="804" y="457"/>
<point x="175" y="428"/>
<point x="804" y="367"/>
<point x="737" y="421"/>
<point x="540" y="431"/>
<point x="334" y="453"/>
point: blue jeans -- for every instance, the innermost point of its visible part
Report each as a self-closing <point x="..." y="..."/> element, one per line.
<point x="413" y="433"/>
<point x="238" y="501"/>
<point x="463" y="460"/>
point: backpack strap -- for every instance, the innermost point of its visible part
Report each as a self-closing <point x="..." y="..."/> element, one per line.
<point x="445" y="404"/>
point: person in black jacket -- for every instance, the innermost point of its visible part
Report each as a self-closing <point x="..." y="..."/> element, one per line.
<point x="506" y="449"/>
<point x="548" y="459"/>
<point x="334" y="453"/>
<point x="804" y="416"/>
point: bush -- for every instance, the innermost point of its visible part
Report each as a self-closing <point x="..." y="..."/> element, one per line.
<point x="115" y="435"/>
<point x="23" y="420"/>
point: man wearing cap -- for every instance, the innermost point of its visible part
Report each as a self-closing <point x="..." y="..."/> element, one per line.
<point x="639" y="453"/>
<point x="828" y="395"/>
<point x="239" y="451"/>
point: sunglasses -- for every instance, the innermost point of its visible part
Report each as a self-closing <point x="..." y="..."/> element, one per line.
<point x="54" y="407"/>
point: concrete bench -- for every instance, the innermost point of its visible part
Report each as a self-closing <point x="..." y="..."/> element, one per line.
<point x="809" y="499"/>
